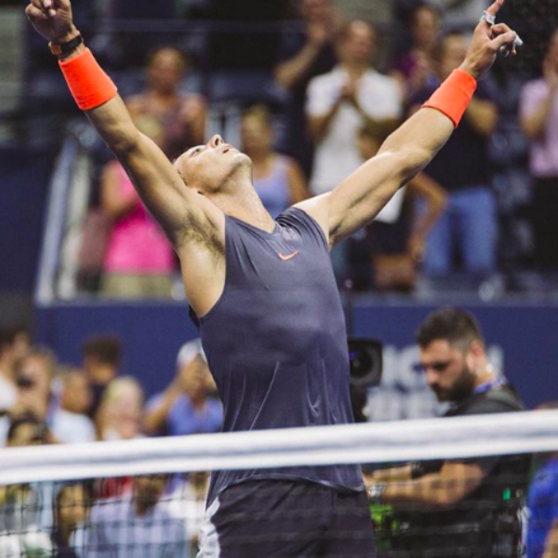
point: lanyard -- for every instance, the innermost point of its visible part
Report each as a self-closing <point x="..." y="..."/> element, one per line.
<point x="487" y="386"/>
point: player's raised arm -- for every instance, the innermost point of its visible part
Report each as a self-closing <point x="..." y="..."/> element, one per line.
<point x="359" y="198"/>
<point x="158" y="183"/>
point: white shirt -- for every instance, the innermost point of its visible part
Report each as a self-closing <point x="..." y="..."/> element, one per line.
<point x="8" y="394"/>
<point x="72" y="428"/>
<point x="337" y="155"/>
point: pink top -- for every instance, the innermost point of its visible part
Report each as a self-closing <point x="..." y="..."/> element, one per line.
<point x="137" y="245"/>
<point x="544" y="152"/>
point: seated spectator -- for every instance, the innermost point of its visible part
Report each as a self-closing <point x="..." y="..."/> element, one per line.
<point x="162" y="111"/>
<point x="35" y="372"/>
<point x="70" y="422"/>
<point x="119" y="415"/>
<point x="468" y="227"/>
<point x="102" y="355"/>
<point x="414" y="69"/>
<point x="394" y="243"/>
<point x="303" y="55"/>
<point x="188" y="405"/>
<point x="339" y="104"/>
<point x="35" y="375"/>
<point x="71" y="509"/>
<point x="25" y="512"/>
<point x="139" y="260"/>
<point x="137" y="523"/>
<point x="539" y="118"/>
<point x="278" y="179"/>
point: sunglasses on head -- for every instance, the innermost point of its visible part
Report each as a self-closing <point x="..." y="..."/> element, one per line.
<point x="439" y="366"/>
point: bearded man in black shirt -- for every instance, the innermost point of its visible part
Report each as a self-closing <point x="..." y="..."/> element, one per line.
<point x="468" y="507"/>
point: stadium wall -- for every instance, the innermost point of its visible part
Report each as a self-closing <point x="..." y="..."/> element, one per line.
<point x="522" y="340"/>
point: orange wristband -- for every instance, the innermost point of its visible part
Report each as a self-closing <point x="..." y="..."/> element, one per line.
<point x="88" y="83"/>
<point x="454" y="95"/>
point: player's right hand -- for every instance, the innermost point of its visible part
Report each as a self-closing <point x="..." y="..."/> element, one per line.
<point x="487" y="42"/>
<point x="52" y="19"/>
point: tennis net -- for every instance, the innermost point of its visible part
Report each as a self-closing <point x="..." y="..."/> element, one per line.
<point x="476" y="486"/>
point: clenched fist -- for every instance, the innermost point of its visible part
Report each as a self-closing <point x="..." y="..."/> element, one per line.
<point x="52" y="19"/>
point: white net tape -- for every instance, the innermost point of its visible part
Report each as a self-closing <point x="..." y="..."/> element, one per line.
<point x="443" y="438"/>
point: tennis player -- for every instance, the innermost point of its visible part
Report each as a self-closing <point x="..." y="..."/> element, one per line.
<point x="264" y="294"/>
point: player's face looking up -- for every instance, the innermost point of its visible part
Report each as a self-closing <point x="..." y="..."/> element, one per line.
<point x="212" y="167"/>
<point x="449" y="370"/>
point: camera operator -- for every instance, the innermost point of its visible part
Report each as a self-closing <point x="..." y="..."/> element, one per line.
<point x="470" y="504"/>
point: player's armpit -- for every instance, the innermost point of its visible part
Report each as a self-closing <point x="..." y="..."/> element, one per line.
<point x="165" y="194"/>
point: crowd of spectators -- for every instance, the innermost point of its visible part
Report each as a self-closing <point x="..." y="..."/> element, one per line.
<point x="44" y="402"/>
<point x="47" y="403"/>
<point x="331" y="81"/>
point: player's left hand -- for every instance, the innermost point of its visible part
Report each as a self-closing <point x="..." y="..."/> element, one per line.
<point x="486" y="43"/>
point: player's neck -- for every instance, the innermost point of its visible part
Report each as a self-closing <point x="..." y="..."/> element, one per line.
<point x="244" y="203"/>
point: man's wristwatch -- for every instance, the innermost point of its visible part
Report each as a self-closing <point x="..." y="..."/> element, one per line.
<point x="58" y="49"/>
<point x="375" y="493"/>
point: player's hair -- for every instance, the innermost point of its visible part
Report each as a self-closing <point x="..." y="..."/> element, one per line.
<point x="449" y="324"/>
<point x="107" y="349"/>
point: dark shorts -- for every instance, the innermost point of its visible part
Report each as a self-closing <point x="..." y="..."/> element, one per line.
<point x="287" y="519"/>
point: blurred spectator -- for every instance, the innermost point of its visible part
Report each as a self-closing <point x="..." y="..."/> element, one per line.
<point x="70" y="422"/>
<point x="25" y="508"/>
<point x="339" y="103"/>
<point x="135" y="524"/>
<point x="468" y="227"/>
<point x="188" y="405"/>
<point x="174" y="120"/>
<point x="120" y="411"/>
<point x="35" y="372"/>
<point x="71" y="508"/>
<point x="542" y="500"/>
<point x="14" y="342"/>
<point x="539" y="116"/>
<point x="102" y="355"/>
<point x="139" y="260"/>
<point x="302" y="55"/>
<point x="394" y="243"/>
<point x="278" y="179"/>
<point x="28" y="430"/>
<point x="463" y="14"/>
<point x="414" y="69"/>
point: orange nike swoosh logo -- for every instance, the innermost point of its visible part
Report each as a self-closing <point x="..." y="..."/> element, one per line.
<point x="288" y="257"/>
